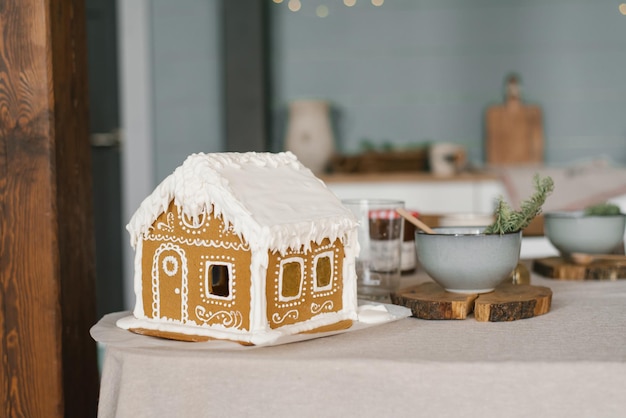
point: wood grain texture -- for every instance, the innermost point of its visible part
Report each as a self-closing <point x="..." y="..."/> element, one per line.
<point x="558" y="268"/>
<point x="514" y="135"/>
<point x="508" y="302"/>
<point x="74" y="205"/>
<point x="46" y="251"/>
<point x="511" y="302"/>
<point x="430" y="301"/>
<point x="514" y="130"/>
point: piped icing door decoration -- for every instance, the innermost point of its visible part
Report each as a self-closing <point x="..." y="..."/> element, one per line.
<point x="170" y="283"/>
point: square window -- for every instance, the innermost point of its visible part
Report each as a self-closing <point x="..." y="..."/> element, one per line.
<point x="218" y="280"/>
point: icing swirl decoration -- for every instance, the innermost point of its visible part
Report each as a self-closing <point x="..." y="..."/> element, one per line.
<point x="227" y="318"/>
<point x="169" y="226"/>
<point x="277" y="319"/>
<point x="316" y="308"/>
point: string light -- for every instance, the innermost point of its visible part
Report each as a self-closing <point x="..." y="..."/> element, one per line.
<point x="321" y="11"/>
<point x="622" y="8"/>
<point x="294" y="5"/>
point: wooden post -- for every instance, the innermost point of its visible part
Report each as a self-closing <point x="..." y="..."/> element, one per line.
<point x="47" y="267"/>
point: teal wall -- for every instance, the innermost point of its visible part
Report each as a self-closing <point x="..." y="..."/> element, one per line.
<point x="414" y="71"/>
<point x="186" y="74"/>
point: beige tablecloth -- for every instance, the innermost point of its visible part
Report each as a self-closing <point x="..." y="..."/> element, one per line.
<point x="570" y="362"/>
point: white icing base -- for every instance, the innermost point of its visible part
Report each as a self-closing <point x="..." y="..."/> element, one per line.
<point x="374" y="314"/>
<point x="107" y="332"/>
<point x="257" y="338"/>
<point x="368" y="315"/>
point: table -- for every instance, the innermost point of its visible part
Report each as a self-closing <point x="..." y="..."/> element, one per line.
<point x="570" y="362"/>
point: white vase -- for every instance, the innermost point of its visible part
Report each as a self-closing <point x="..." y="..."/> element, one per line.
<point x="309" y="133"/>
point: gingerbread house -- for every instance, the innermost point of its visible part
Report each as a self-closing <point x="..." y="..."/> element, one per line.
<point x="242" y="246"/>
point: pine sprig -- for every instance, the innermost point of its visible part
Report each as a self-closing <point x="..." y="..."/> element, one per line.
<point x="508" y="220"/>
<point x="502" y="218"/>
<point x="603" y="209"/>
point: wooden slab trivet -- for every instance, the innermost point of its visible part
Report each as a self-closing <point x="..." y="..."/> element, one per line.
<point x="508" y="302"/>
<point x="511" y="302"/>
<point x="431" y="301"/>
<point x="559" y="268"/>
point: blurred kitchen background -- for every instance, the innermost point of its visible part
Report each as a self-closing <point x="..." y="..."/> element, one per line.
<point x="169" y="78"/>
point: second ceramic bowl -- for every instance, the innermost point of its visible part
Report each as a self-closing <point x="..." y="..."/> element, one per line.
<point x="575" y="232"/>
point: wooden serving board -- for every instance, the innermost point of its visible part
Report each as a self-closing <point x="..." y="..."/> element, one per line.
<point x="559" y="268"/>
<point x="508" y="302"/>
<point x="514" y="131"/>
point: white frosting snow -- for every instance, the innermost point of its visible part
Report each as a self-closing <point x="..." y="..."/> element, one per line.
<point x="271" y="200"/>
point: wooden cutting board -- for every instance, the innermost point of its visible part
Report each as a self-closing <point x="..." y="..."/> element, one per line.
<point x="508" y="302"/>
<point x="558" y="268"/>
<point x="514" y="131"/>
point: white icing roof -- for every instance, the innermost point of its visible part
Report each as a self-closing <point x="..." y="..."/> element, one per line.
<point x="271" y="200"/>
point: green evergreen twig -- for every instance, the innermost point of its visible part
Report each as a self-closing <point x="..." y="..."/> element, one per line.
<point x="507" y="220"/>
<point x="602" y="209"/>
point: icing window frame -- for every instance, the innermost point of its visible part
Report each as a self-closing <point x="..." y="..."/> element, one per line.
<point x="331" y="256"/>
<point x="209" y="285"/>
<point x="282" y="280"/>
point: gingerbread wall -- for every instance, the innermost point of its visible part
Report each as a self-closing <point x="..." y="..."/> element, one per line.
<point x="179" y="264"/>
<point x="319" y="289"/>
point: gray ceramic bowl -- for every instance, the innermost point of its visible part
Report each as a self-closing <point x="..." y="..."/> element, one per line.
<point x="573" y="232"/>
<point x="464" y="260"/>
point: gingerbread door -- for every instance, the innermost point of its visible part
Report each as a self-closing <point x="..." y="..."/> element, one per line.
<point x="170" y="283"/>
